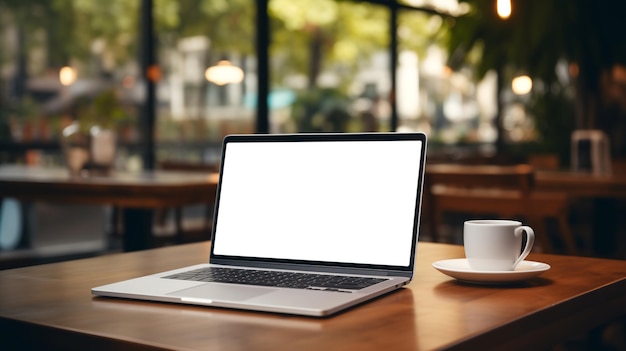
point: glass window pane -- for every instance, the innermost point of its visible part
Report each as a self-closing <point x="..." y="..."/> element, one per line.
<point x="208" y="83"/>
<point x="58" y="59"/>
<point x="329" y="66"/>
<point x="451" y="106"/>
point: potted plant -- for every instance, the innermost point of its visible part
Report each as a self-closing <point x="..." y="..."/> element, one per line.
<point x="90" y="142"/>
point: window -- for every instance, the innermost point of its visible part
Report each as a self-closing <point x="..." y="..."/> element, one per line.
<point x="207" y="87"/>
<point x="59" y="58"/>
<point x="331" y="65"/>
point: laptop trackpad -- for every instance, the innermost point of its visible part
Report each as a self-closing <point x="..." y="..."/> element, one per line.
<point x="220" y="292"/>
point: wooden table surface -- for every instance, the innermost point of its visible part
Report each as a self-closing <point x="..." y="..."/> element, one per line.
<point x="146" y="189"/>
<point x="137" y="193"/>
<point x="50" y="306"/>
<point x="580" y="184"/>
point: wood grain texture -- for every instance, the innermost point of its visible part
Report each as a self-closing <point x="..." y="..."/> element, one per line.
<point x="124" y="189"/>
<point x="577" y="184"/>
<point x="51" y="306"/>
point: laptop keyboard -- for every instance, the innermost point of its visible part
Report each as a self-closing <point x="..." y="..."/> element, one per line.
<point x="294" y="280"/>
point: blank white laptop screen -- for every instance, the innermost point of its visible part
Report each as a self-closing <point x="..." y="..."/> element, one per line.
<point x="341" y="201"/>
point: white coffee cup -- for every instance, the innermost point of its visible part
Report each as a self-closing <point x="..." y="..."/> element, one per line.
<point x="495" y="245"/>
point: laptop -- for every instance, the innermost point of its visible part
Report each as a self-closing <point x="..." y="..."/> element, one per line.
<point x="304" y="224"/>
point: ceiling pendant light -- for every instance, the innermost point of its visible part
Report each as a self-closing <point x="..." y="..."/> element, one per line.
<point x="224" y="72"/>
<point x="503" y="8"/>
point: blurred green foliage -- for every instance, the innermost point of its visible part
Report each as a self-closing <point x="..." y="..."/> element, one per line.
<point x="538" y="36"/>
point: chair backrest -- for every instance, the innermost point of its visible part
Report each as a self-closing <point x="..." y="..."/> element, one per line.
<point x="544" y="161"/>
<point x="517" y="177"/>
<point x="503" y="191"/>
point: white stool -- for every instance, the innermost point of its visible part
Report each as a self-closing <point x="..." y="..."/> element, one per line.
<point x="591" y="151"/>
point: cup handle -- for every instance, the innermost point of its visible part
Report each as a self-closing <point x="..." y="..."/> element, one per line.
<point x="530" y="240"/>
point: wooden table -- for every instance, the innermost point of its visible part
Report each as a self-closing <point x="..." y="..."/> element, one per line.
<point x="605" y="192"/>
<point x="50" y="306"/>
<point x="582" y="184"/>
<point x="137" y="193"/>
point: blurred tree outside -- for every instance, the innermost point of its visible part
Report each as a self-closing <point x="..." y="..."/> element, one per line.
<point x="100" y="39"/>
<point x="92" y="37"/>
<point x="346" y="30"/>
<point x="572" y="49"/>
<point x="227" y="23"/>
<point x="310" y="37"/>
<point x="224" y="30"/>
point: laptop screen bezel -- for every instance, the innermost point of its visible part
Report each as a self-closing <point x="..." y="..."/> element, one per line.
<point x="323" y="266"/>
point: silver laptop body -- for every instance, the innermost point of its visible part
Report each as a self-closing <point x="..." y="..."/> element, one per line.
<point x="341" y="205"/>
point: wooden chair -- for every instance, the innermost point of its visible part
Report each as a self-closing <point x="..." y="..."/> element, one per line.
<point x="544" y="161"/>
<point x="184" y="229"/>
<point x="500" y="191"/>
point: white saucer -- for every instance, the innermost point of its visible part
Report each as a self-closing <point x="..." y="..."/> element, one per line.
<point x="459" y="268"/>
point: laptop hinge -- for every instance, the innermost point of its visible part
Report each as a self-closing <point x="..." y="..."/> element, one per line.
<point x="313" y="268"/>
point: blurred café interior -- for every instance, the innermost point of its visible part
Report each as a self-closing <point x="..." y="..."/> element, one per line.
<point x="532" y="93"/>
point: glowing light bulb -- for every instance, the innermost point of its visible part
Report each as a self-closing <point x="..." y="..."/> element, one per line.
<point x="67" y="75"/>
<point x="224" y="73"/>
<point x="504" y="8"/>
<point x="522" y="85"/>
